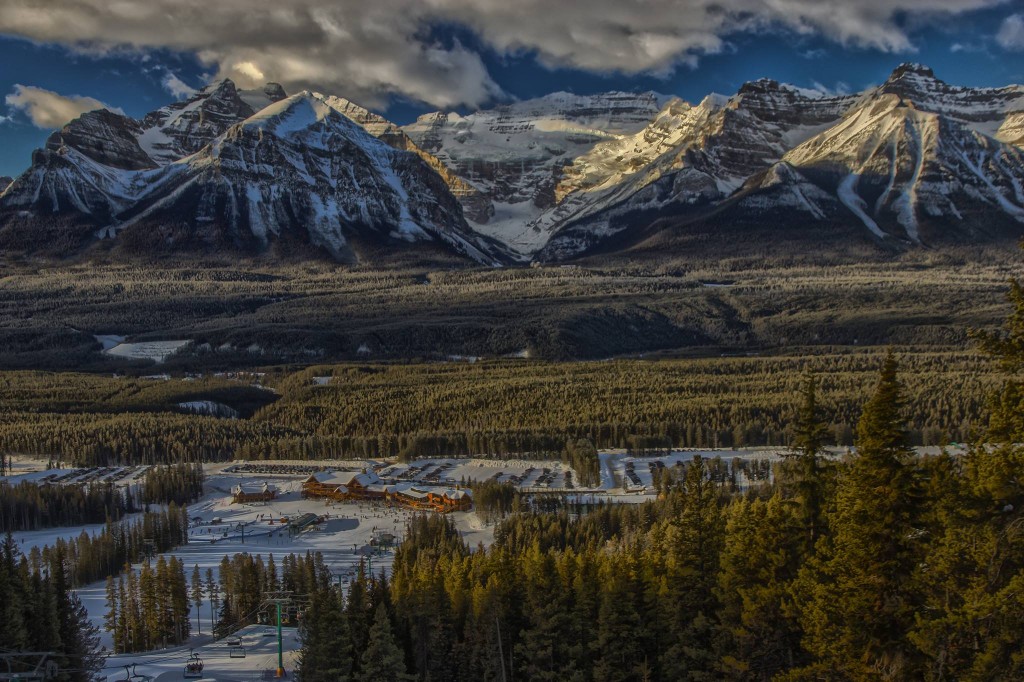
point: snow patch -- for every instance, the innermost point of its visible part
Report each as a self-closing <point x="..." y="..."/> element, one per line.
<point x="157" y="351"/>
<point x="847" y="192"/>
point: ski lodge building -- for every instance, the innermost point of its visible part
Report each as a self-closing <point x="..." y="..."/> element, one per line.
<point x="244" y="493"/>
<point x="349" y="486"/>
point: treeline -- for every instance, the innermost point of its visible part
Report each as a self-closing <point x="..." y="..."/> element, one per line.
<point x="40" y="612"/>
<point x="31" y="506"/>
<point x="181" y="484"/>
<point x="150" y="609"/>
<point x="882" y="566"/>
<point x="89" y="558"/>
<point x="503" y="408"/>
<point x="495" y="408"/>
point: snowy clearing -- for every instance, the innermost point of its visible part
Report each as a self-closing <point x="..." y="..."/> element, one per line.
<point x="157" y="351"/>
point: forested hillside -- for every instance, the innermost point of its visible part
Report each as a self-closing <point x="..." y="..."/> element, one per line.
<point x="882" y="566"/>
<point x="485" y="408"/>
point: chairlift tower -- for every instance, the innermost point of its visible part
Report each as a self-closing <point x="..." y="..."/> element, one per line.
<point x="277" y="600"/>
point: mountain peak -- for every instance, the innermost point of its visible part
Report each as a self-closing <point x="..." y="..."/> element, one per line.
<point x="760" y="85"/>
<point x="223" y="86"/>
<point x="299" y="113"/>
<point x="275" y="91"/>
<point x="914" y="82"/>
<point x="911" y="69"/>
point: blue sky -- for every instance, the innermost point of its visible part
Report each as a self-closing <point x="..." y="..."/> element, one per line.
<point x="478" y="64"/>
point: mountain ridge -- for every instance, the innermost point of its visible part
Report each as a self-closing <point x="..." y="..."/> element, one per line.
<point x="911" y="162"/>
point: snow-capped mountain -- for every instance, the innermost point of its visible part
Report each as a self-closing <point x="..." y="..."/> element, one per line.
<point x="300" y="168"/>
<point x="687" y="155"/>
<point x="983" y="109"/>
<point x="86" y="170"/>
<point x="514" y="154"/>
<point x="85" y="167"/>
<point x="912" y="161"/>
<point x="212" y="172"/>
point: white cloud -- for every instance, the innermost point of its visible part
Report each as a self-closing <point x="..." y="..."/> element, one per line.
<point x="48" y="109"/>
<point x="1011" y="33"/>
<point x="368" y="49"/>
<point x="178" y="88"/>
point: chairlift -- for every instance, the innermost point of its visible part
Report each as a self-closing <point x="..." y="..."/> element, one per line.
<point x="236" y="652"/>
<point x="194" y="667"/>
<point x="131" y="676"/>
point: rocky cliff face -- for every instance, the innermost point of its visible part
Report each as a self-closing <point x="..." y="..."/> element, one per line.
<point x="183" y="128"/>
<point x="476" y="205"/>
<point x="85" y="170"/>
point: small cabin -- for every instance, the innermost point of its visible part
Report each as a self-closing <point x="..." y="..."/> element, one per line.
<point x="247" y="493"/>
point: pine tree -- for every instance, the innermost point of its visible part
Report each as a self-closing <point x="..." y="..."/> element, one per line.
<point x="197" y="596"/>
<point x="975" y="558"/>
<point x="78" y="637"/>
<point x="761" y="557"/>
<point x="358" y="616"/>
<point x="862" y="598"/>
<point x="808" y="442"/>
<point x="110" y="623"/>
<point x="121" y="644"/>
<point x="694" y="544"/>
<point x="382" y="660"/>
<point x="326" y="646"/>
<point x="180" y="602"/>
<point x="618" y="650"/>
<point x="212" y="595"/>
<point x="13" y="590"/>
<point x="542" y="649"/>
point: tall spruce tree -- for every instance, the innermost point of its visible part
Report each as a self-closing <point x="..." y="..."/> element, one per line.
<point x="197" y="595"/>
<point x="689" y="600"/>
<point x="975" y="578"/>
<point x="382" y="660"/>
<point x="805" y="464"/>
<point x="618" y="650"/>
<point x="326" y="645"/>
<point x="762" y="555"/>
<point x="862" y="597"/>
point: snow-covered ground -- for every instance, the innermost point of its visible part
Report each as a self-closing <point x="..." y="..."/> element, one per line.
<point x="259" y="642"/>
<point x="157" y="351"/>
